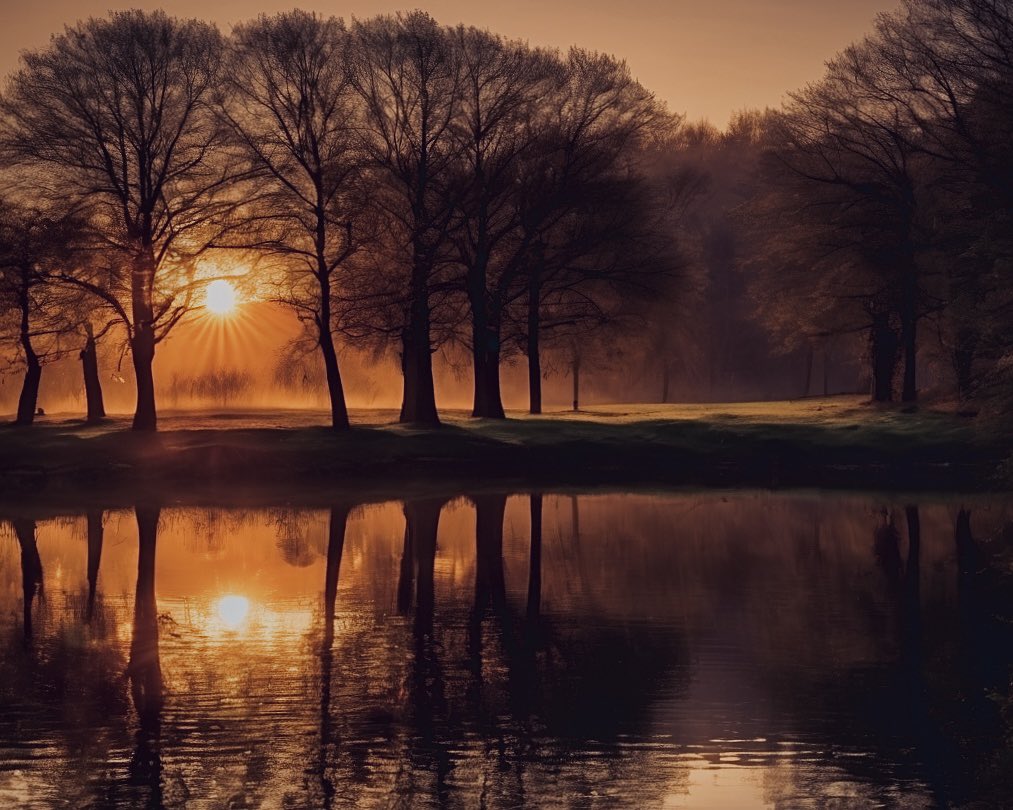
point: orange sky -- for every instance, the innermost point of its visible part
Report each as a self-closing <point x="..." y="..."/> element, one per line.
<point x="706" y="58"/>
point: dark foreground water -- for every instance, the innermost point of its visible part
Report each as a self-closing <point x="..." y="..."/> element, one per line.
<point x="685" y="651"/>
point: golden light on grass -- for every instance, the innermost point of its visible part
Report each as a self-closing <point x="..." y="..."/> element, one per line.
<point x="220" y="297"/>
<point x="232" y="610"/>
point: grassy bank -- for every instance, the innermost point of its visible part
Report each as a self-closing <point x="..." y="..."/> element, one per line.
<point x="835" y="442"/>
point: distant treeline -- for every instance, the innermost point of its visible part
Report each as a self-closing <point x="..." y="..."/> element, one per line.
<point x="406" y="187"/>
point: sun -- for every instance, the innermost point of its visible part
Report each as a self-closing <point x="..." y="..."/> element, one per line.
<point x="220" y="297"/>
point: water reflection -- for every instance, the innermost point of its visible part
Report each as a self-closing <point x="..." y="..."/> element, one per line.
<point x="665" y="650"/>
<point x="31" y="570"/>
<point x="96" y="535"/>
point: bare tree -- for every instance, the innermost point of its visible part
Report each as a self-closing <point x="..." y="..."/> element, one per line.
<point x="585" y="231"/>
<point x="93" y="329"/>
<point x="948" y="65"/>
<point x="296" y="121"/>
<point x="115" y="117"/>
<point x="408" y="75"/>
<point x="846" y="201"/>
<point x="36" y="314"/>
<point x="504" y="85"/>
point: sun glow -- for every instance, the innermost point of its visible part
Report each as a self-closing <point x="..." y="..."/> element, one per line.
<point x="233" y="610"/>
<point x="220" y="297"/>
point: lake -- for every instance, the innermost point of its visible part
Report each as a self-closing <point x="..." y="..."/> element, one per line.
<point x="639" y="649"/>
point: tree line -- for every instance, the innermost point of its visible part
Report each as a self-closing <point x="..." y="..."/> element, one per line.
<point x="885" y="207"/>
<point x="395" y="182"/>
<point x="405" y="187"/>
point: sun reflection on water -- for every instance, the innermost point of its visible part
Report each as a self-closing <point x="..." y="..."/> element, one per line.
<point x="232" y="611"/>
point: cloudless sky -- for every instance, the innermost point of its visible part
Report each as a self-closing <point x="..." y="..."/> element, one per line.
<point x="706" y="58"/>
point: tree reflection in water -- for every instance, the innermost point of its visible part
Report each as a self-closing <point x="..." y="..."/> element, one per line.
<point x="495" y="649"/>
<point x="31" y="571"/>
<point x="144" y="668"/>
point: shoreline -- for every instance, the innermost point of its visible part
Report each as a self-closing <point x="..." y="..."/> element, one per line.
<point x="872" y="452"/>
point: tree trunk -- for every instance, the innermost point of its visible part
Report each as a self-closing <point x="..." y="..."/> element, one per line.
<point x="143" y="355"/>
<point x="964" y="353"/>
<point x="142" y="343"/>
<point x="493" y="396"/>
<point x="335" y="388"/>
<point x="485" y="345"/>
<point x="534" y="349"/>
<point x="576" y="383"/>
<point x="92" y="383"/>
<point x="418" y="405"/>
<point x="910" y="389"/>
<point x="826" y="371"/>
<point x="909" y="333"/>
<point x="95" y="538"/>
<point x="535" y="558"/>
<point x="808" y="370"/>
<point x="883" y="354"/>
<point x="488" y="400"/>
<point x="29" y="399"/>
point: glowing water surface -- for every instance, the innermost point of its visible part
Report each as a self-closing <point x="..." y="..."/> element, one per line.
<point x="697" y="651"/>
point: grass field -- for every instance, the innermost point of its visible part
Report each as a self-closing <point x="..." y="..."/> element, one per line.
<point x="831" y="442"/>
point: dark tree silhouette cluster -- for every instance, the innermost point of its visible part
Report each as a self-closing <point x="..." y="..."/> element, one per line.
<point x="397" y="183"/>
<point x="886" y="203"/>
<point x="407" y="188"/>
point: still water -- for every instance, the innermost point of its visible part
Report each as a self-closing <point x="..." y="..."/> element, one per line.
<point x="592" y="650"/>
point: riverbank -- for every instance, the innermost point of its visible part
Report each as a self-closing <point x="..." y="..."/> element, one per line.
<point x="838" y="442"/>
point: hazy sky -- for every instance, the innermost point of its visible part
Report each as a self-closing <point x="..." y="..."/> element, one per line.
<point x="706" y="58"/>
